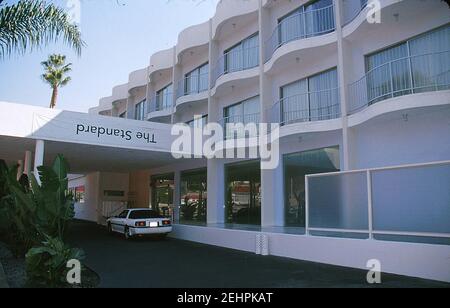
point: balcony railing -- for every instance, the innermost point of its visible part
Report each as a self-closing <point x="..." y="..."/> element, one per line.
<point x="160" y="102"/>
<point x="301" y="26"/>
<point x="192" y="85"/>
<point x="394" y="203"/>
<point x="239" y="131"/>
<point x="408" y="75"/>
<point x="236" y="60"/>
<point x="352" y="9"/>
<point x="307" y="107"/>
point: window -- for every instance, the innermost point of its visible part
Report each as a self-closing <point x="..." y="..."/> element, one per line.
<point x="242" y="56"/>
<point x="124" y="214"/>
<point x="197" y="80"/>
<point x="78" y="194"/>
<point x="296" y="167"/>
<point x="244" y="112"/>
<point x="144" y="214"/>
<point x="243" y="193"/>
<point x="312" y="19"/>
<point x="198" y="122"/>
<point x="193" y="203"/>
<point x="139" y="111"/>
<point x="164" y="98"/>
<point x="418" y="65"/>
<point x="315" y="98"/>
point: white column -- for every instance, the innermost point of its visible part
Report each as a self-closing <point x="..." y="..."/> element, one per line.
<point x="176" y="72"/>
<point x="19" y="169"/>
<point x="130" y="107"/>
<point x="346" y="134"/>
<point x="27" y="164"/>
<point x="216" y="186"/>
<point x="38" y="157"/>
<point x="272" y="205"/>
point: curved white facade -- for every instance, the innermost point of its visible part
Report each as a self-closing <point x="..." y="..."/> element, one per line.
<point x="348" y="94"/>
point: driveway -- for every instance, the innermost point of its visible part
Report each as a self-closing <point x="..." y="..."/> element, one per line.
<point x="173" y="263"/>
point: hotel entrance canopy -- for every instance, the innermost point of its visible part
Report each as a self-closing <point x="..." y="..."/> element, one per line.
<point x="89" y="142"/>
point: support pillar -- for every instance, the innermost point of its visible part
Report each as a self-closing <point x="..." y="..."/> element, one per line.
<point x="27" y="164"/>
<point x="216" y="174"/>
<point x="19" y="169"/>
<point x="342" y="66"/>
<point x="39" y="157"/>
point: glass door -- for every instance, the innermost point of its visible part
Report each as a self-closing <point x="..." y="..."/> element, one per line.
<point x="162" y="194"/>
<point x="243" y="193"/>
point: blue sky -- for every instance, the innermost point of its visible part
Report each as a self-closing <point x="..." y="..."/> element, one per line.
<point x="121" y="35"/>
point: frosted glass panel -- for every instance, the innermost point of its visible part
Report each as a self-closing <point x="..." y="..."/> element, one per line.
<point x="412" y="200"/>
<point x="339" y="201"/>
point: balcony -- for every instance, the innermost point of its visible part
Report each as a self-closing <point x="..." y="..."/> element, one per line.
<point x="404" y="76"/>
<point x="234" y="126"/>
<point x="307" y="107"/>
<point x="301" y="26"/>
<point x="236" y="60"/>
<point x="159" y="103"/>
<point x="191" y="85"/>
<point x="352" y="9"/>
<point x="401" y="203"/>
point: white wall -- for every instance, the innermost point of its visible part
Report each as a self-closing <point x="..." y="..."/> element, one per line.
<point x="424" y="137"/>
<point x="87" y="210"/>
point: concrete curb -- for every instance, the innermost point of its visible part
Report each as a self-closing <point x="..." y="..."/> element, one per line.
<point x="3" y="281"/>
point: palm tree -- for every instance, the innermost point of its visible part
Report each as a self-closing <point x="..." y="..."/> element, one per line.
<point x="55" y="71"/>
<point x="30" y="24"/>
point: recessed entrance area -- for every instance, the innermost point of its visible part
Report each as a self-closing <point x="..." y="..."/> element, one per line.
<point x="243" y="193"/>
<point x="193" y="203"/>
<point x="296" y="167"/>
<point x="162" y="187"/>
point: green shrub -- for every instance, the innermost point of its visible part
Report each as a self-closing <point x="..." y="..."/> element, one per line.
<point x="33" y="211"/>
<point x="46" y="265"/>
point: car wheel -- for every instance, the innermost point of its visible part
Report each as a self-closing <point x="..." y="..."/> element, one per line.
<point x="127" y="233"/>
<point x="110" y="231"/>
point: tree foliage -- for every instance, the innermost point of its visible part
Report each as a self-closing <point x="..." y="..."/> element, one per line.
<point x="30" y="24"/>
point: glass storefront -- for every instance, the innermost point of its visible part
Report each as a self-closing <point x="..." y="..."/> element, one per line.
<point x="296" y="167"/>
<point x="162" y="194"/>
<point x="243" y="193"/>
<point x="193" y="203"/>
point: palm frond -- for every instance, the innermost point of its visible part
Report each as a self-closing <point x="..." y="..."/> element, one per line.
<point x="27" y="25"/>
<point x="65" y="81"/>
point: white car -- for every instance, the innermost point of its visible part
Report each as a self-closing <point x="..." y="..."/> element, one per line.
<point x="139" y="222"/>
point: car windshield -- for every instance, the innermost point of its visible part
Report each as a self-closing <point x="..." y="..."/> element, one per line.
<point x="144" y="214"/>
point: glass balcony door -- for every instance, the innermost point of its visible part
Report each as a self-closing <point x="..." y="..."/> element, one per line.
<point x="197" y="80"/>
<point x="244" y="113"/>
<point x="417" y="65"/>
<point x="243" y="56"/>
<point x="164" y="98"/>
<point x="308" y="20"/>
<point x="315" y="98"/>
<point x="139" y="111"/>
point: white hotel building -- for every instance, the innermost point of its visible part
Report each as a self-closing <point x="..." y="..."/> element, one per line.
<point x="364" y="110"/>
